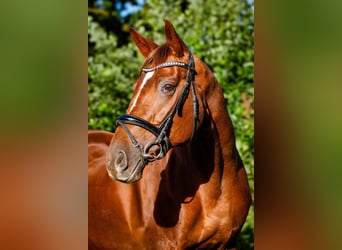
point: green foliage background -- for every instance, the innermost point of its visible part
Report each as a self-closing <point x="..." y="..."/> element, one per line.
<point x="220" y="32"/>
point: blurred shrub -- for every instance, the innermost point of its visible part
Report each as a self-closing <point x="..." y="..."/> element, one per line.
<point x="111" y="73"/>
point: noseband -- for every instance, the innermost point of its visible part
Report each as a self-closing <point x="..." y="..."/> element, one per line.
<point x="162" y="131"/>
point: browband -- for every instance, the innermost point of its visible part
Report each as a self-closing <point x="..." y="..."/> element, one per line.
<point x="166" y="64"/>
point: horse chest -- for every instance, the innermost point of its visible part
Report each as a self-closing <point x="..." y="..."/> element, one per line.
<point x="152" y="226"/>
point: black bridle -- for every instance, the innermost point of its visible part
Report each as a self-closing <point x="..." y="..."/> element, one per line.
<point x="162" y="131"/>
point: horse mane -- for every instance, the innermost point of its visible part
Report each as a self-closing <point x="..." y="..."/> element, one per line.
<point x="158" y="56"/>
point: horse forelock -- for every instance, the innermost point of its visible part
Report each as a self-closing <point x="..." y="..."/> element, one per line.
<point x="158" y="56"/>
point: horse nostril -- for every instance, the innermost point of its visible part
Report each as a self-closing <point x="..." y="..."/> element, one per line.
<point x="121" y="160"/>
<point x="152" y="151"/>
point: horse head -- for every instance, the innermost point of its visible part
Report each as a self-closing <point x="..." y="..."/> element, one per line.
<point x="166" y="108"/>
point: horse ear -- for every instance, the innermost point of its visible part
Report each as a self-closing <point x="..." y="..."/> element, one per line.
<point x="173" y="40"/>
<point x="145" y="45"/>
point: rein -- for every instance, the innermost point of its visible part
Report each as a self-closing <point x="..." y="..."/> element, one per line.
<point x="162" y="131"/>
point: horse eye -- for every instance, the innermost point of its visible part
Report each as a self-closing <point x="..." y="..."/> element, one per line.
<point x="168" y="88"/>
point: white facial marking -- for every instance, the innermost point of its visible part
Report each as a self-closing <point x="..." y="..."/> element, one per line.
<point x="148" y="75"/>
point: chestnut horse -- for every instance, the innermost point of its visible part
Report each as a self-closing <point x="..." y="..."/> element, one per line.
<point x="194" y="192"/>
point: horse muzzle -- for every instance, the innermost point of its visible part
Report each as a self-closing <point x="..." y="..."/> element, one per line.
<point x="124" y="167"/>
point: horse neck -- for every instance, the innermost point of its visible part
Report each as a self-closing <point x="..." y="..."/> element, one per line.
<point x="216" y="110"/>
